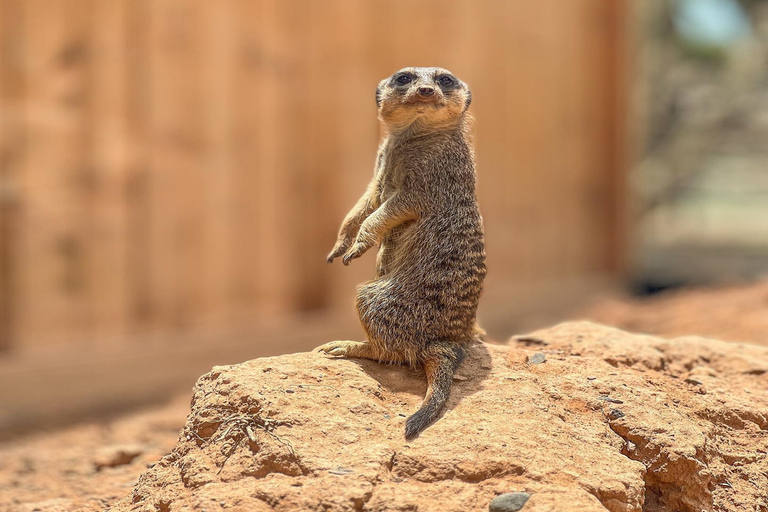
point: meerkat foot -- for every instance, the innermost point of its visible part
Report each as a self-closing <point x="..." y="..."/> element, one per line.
<point x="345" y="348"/>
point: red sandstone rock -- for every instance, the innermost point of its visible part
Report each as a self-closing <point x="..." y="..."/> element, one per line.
<point x="608" y="422"/>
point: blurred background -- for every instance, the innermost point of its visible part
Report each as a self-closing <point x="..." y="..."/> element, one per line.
<point x="173" y="172"/>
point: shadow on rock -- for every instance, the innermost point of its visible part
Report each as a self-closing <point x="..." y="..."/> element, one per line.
<point x="468" y="379"/>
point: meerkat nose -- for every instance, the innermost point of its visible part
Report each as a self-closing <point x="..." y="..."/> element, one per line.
<point x="426" y="91"/>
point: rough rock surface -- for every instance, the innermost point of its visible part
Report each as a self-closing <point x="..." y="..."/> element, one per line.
<point x="611" y="421"/>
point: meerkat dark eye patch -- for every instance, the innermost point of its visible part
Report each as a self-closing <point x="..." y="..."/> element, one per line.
<point x="404" y="79"/>
<point x="378" y="96"/>
<point x="447" y="82"/>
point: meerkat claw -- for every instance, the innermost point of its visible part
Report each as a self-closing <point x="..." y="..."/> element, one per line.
<point x="337" y="348"/>
<point x="354" y="252"/>
<point x="335" y="253"/>
<point x="328" y="348"/>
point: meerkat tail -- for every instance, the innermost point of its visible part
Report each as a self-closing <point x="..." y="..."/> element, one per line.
<point x="439" y="367"/>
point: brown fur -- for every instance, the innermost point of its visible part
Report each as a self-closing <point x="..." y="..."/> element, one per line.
<point x="422" y="210"/>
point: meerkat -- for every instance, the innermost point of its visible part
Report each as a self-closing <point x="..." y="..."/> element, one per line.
<point x="421" y="208"/>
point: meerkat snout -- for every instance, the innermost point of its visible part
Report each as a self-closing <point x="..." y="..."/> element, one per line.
<point x="415" y="97"/>
<point x="426" y="91"/>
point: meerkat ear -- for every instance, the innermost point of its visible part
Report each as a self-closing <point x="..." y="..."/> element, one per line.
<point x="469" y="100"/>
<point x="378" y="96"/>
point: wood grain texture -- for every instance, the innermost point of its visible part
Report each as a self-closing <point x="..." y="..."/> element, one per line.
<point x="182" y="166"/>
<point x="12" y="147"/>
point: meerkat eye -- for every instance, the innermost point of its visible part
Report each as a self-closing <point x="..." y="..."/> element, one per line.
<point x="445" y="81"/>
<point x="404" y="79"/>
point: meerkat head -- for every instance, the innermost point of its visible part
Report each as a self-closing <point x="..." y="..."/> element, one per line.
<point x="429" y="96"/>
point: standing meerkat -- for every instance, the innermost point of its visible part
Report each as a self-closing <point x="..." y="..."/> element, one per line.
<point x="422" y="209"/>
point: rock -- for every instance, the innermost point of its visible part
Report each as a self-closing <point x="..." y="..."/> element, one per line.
<point x="615" y="414"/>
<point x="509" y="502"/>
<point x="537" y="358"/>
<point x="337" y="442"/>
<point x="116" y="455"/>
<point x="529" y="340"/>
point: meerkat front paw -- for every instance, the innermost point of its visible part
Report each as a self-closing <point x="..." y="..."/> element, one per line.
<point x="343" y="348"/>
<point x="355" y="251"/>
<point x="339" y="249"/>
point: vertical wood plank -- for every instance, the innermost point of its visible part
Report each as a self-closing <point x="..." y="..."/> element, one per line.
<point x="357" y="133"/>
<point x="140" y="289"/>
<point x="574" y="85"/>
<point x="249" y="185"/>
<point x="280" y="149"/>
<point x="291" y="158"/>
<point x="179" y="208"/>
<point x="107" y="233"/>
<point x="217" y="56"/>
<point x="58" y="179"/>
<point x="326" y="90"/>
<point x="619" y="135"/>
<point x="12" y="143"/>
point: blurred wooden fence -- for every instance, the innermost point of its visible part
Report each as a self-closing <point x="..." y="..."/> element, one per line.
<point x="175" y="170"/>
<point x="177" y="166"/>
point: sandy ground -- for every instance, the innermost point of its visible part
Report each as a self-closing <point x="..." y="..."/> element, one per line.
<point x="88" y="466"/>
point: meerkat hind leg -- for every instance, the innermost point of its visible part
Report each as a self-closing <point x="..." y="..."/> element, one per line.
<point x="347" y="348"/>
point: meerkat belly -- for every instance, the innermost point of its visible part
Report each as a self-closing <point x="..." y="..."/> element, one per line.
<point x="433" y="278"/>
<point x="393" y="246"/>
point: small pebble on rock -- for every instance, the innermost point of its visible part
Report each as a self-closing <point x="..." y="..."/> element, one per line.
<point x="615" y="414"/>
<point x="591" y="377"/>
<point x="116" y="455"/>
<point x="537" y="358"/>
<point x="509" y="502"/>
<point x="340" y="471"/>
<point x="695" y="382"/>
